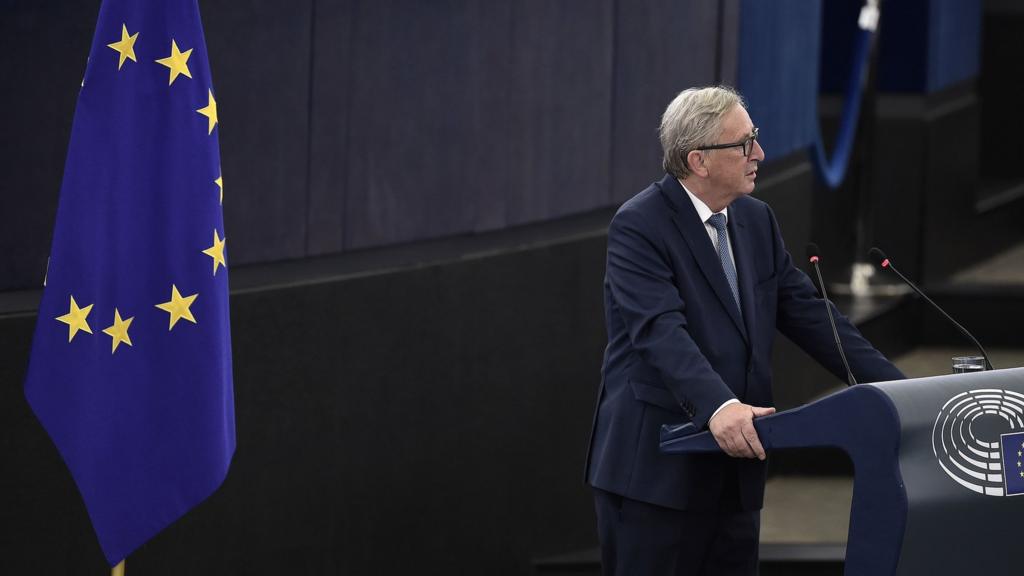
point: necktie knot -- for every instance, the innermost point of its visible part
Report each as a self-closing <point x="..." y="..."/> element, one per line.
<point x="717" y="222"/>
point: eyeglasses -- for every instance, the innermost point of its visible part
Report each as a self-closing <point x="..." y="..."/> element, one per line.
<point x="747" y="144"/>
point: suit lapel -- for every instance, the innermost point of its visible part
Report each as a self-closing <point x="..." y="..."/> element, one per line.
<point x="696" y="236"/>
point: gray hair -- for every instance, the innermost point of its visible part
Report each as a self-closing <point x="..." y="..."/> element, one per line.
<point x="693" y="119"/>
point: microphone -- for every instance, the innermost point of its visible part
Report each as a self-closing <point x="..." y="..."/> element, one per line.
<point x="885" y="262"/>
<point x="813" y="257"/>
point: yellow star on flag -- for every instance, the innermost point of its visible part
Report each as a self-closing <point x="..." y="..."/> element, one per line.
<point x="220" y="184"/>
<point x="217" y="251"/>
<point x="125" y="47"/>
<point x="177" y="62"/>
<point x="210" y="111"/>
<point x="76" y="319"/>
<point x="118" y="331"/>
<point x="178" y="307"/>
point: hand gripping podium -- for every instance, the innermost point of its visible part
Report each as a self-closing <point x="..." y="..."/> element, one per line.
<point x="938" y="463"/>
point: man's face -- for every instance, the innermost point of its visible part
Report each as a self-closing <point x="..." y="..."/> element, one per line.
<point x="731" y="174"/>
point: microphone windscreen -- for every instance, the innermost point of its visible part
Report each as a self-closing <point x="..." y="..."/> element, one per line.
<point x="813" y="252"/>
<point x="877" y="254"/>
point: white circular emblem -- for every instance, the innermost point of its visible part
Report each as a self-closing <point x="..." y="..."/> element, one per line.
<point x="977" y="438"/>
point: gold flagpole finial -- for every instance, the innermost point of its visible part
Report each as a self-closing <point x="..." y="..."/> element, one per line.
<point x="118" y="570"/>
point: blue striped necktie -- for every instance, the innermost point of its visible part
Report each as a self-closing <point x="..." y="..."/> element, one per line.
<point x="717" y="222"/>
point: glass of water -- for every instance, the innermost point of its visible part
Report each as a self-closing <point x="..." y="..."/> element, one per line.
<point x="963" y="364"/>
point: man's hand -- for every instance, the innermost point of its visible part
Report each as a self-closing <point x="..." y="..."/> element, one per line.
<point x="733" y="429"/>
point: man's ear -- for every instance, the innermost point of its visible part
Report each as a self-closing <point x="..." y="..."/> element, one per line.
<point x="695" y="161"/>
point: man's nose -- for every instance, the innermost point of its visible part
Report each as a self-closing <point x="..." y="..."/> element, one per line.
<point x="757" y="153"/>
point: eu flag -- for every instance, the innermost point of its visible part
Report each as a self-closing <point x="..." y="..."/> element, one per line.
<point x="130" y="372"/>
<point x="1012" y="447"/>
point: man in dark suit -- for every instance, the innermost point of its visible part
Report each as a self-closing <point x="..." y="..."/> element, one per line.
<point x="697" y="283"/>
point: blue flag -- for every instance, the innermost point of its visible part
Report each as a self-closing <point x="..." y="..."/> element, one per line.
<point x="1012" y="448"/>
<point x="130" y="372"/>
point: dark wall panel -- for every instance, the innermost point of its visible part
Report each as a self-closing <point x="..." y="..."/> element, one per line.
<point x="427" y="118"/>
<point x="43" y="50"/>
<point x="999" y="89"/>
<point x="329" y="110"/>
<point x="954" y="42"/>
<point x="475" y="117"/>
<point x="352" y="124"/>
<point x="838" y="39"/>
<point x="902" y="46"/>
<point x="949" y="213"/>
<point x="560" y="105"/>
<point x="928" y="45"/>
<point x="259" y="58"/>
<point x="728" y="41"/>
<point x="899" y="194"/>
<point x="661" y="48"/>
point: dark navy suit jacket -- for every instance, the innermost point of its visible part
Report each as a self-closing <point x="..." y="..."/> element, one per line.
<point x="678" y="346"/>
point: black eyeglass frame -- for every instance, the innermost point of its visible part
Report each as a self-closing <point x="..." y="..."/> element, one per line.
<point x="747" y="144"/>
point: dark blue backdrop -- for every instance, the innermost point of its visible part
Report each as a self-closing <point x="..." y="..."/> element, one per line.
<point x="354" y="124"/>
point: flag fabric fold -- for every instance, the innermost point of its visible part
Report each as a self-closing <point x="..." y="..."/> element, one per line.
<point x="130" y="372"/>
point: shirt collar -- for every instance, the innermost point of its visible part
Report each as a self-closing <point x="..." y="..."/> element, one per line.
<point x="702" y="209"/>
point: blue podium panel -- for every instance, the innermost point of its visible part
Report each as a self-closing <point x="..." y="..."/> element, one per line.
<point x="937" y="465"/>
<point x="961" y="454"/>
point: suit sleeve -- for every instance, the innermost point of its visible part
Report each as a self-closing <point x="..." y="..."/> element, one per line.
<point x="650" y="305"/>
<point x="802" y="318"/>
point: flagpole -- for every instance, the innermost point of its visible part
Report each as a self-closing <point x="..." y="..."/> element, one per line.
<point x="118" y="570"/>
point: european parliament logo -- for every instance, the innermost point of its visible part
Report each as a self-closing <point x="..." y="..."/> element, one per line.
<point x="978" y="441"/>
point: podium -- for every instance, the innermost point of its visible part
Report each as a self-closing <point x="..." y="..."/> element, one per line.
<point x="938" y="463"/>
